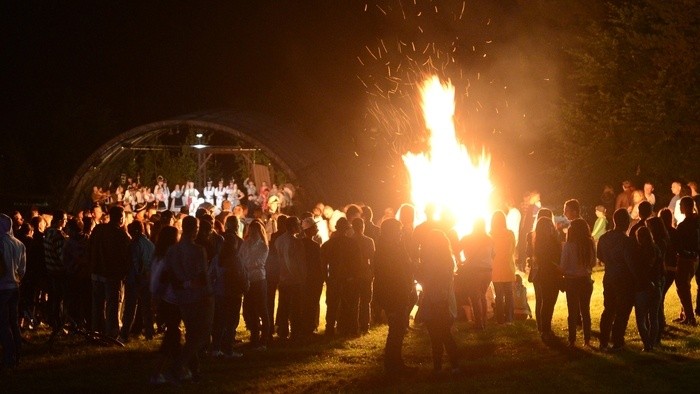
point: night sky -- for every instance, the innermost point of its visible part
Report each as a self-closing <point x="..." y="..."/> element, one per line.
<point x="76" y="75"/>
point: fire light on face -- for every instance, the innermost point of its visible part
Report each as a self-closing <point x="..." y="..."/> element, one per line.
<point x="446" y="175"/>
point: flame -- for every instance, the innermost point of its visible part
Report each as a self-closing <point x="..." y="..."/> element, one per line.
<point x="446" y="175"/>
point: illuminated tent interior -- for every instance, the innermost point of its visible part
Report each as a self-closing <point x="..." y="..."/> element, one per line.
<point x="305" y="163"/>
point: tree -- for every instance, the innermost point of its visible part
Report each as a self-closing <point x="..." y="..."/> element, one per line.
<point x="634" y="112"/>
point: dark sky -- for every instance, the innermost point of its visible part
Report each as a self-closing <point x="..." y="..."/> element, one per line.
<point x="78" y="74"/>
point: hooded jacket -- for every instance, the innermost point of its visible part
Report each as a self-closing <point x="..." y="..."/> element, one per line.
<point x="14" y="257"/>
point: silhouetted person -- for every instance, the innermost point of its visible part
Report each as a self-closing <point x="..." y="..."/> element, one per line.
<point x="111" y="261"/>
<point x="546" y="256"/>
<point x="290" y="251"/>
<point x="616" y="251"/>
<point x="137" y="283"/>
<point x="393" y="285"/>
<point x="13" y="264"/>
<point x="478" y="266"/>
<point x="316" y="276"/>
<point x="577" y="261"/>
<point x="687" y="244"/>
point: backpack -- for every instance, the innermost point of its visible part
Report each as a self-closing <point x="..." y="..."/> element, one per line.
<point x="235" y="271"/>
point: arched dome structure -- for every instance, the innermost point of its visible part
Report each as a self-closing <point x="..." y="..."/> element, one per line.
<point x="292" y="150"/>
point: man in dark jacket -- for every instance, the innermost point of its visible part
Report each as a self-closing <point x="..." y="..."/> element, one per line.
<point x="615" y="250"/>
<point x="343" y="257"/>
<point x="110" y="261"/>
<point x="686" y="242"/>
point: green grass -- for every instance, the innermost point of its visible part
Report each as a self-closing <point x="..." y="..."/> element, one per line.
<point x="500" y="359"/>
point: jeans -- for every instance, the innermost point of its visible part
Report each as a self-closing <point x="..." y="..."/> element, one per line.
<point x="578" y="304"/>
<point x="504" y="301"/>
<point x="397" y="319"/>
<point x="170" y="315"/>
<point x="255" y="312"/>
<point x="313" y="308"/>
<point x="546" y="294"/>
<point x="618" y="300"/>
<point x="137" y="294"/>
<point x="684" y="276"/>
<point x="646" y="310"/>
<point x="198" y="321"/>
<point x="106" y="297"/>
<point x="9" y="327"/>
<point x="349" y="306"/>
<point x="227" y="316"/>
<point x="365" y="303"/>
<point x="272" y="286"/>
<point x="57" y="294"/>
<point x="333" y="297"/>
<point x="441" y="338"/>
<point x="289" y="313"/>
<point x="669" y="278"/>
<point x="477" y="293"/>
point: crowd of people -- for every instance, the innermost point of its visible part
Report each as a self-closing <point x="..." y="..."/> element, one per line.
<point x="126" y="272"/>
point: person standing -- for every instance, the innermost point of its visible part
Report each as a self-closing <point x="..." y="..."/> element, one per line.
<point x="110" y="260"/>
<point x="253" y="254"/>
<point x="54" y="241"/>
<point x="317" y="274"/>
<point x="577" y="262"/>
<point x="615" y="250"/>
<point x="546" y="256"/>
<point x="230" y="283"/>
<point x="503" y="267"/>
<point x="364" y="277"/>
<point x="136" y="285"/>
<point x="648" y="274"/>
<point x="290" y="251"/>
<point x="393" y="285"/>
<point x="187" y="264"/>
<point x="439" y="307"/>
<point x="687" y="245"/>
<point x="13" y="263"/>
<point x="478" y="251"/>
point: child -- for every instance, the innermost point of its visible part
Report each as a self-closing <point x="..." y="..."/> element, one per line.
<point x="600" y="224"/>
<point x="521" y="309"/>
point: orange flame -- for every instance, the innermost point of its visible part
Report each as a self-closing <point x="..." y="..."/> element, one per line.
<point x="446" y="176"/>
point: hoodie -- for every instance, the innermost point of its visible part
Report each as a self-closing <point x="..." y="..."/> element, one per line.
<point x="14" y="257"/>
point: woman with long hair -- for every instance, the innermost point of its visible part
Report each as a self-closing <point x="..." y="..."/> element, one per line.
<point x="503" y="273"/>
<point x="439" y="307"/>
<point x="253" y="254"/>
<point x="546" y="254"/>
<point x="164" y="301"/>
<point x="648" y="274"/>
<point x="577" y="262"/>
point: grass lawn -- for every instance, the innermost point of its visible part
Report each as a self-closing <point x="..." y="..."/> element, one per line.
<point x="500" y="359"/>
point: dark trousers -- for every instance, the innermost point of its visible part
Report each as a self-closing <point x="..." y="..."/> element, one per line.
<point x="169" y="313"/>
<point x="578" y="304"/>
<point x="197" y="317"/>
<point x="546" y="294"/>
<point x="79" y="300"/>
<point x="227" y="316"/>
<point x="272" y="285"/>
<point x="477" y="294"/>
<point x="348" y="319"/>
<point x="333" y="298"/>
<point x="618" y="300"/>
<point x="312" y="311"/>
<point x="646" y="311"/>
<point x="58" y="284"/>
<point x="365" y="287"/>
<point x="255" y="312"/>
<point x="289" y="316"/>
<point x="441" y="340"/>
<point x="9" y="327"/>
<point x="504" y="301"/>
<point x="397" y="319"/>
<point x="137" y="295"/>
<point x="669" y="278"/>
<point x="106" y="297"/>
<point x="684" y="276"/>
